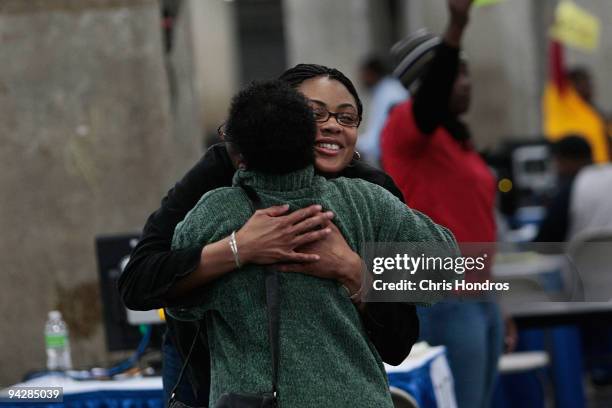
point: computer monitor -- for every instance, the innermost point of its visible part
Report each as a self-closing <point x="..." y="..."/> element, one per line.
<point x="113" y="252"/>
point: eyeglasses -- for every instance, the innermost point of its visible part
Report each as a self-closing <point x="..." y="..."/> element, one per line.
<point x="348" y="119"/>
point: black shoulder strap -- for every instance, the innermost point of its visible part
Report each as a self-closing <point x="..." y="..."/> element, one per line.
<point x="272" y="301"/>
<point x="273" y="311"/>
<point x="186" y="363"/>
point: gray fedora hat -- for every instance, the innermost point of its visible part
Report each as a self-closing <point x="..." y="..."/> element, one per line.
<point x="412" y="55"/>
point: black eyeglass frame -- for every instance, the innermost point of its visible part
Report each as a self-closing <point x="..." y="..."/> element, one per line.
<point x="335" y="115"/>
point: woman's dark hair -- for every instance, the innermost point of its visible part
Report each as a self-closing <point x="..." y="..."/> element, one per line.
<point x="272" y="126"/>
<point x="302" y="72"/>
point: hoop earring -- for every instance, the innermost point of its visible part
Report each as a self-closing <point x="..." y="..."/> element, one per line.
<point x="241" y="163"/>
<point x="356" y="157"/>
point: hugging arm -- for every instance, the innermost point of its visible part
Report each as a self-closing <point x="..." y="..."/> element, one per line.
<point x="154" y="268"/>
<point x="158" y="276"/>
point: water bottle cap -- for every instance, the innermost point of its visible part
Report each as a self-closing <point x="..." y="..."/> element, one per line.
<point x="55" y="315"/>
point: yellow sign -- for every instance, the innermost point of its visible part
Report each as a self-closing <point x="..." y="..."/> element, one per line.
<point x="480" y="3"/>
<point x="576" y="27"/>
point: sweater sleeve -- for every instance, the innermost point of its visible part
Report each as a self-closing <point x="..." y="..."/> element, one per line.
<point x="153" y="267"/>
<point x="393" y="327"/>
<point x="207" y="222"/>
<point x="400" y="223"/>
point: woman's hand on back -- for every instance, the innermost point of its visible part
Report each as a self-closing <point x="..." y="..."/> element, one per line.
<point x="271" y="235"/>
<point x="337" y="261"/>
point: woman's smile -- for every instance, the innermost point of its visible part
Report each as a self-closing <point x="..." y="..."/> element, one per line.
<point x="328" y="147"/>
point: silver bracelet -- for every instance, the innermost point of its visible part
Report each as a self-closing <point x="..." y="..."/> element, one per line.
<point x="234" y="247"/>
<point x="359" y="296"/>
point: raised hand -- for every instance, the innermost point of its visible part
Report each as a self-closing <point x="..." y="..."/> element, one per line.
<point x="460" y="10"/>
<point x="459" y="16"/>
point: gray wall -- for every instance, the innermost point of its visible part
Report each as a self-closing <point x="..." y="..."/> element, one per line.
<point x="332" y="33"/>
<point x="86" y="149"/>
<point x="216" y="57"/>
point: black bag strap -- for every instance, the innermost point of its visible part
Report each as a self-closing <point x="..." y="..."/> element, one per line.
<point x="186" y="363"/>
<point x="273" y="312"/>
<point x="272" y="302"/>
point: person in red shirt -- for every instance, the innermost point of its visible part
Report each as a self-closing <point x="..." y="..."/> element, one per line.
<point x="427" y="150"/>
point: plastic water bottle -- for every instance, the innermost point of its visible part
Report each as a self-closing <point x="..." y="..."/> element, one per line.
<point x="57" y="343"/>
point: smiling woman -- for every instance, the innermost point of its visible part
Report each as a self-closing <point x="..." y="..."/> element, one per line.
<point x="324" y="354"/>
<point x="337" y="109"/>
<point x="335" y="142"/>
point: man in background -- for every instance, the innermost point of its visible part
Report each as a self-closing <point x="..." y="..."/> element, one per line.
<point x="386" y="92"/>
<point x="569" y="107"/>
<point x="570" y="155"/>
<point x="591" y="200"/>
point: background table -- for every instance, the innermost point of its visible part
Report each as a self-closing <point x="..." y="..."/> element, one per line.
<point x="426" y="376"/>
<point x="131" y="392"/>
<point x="551" y="326"/>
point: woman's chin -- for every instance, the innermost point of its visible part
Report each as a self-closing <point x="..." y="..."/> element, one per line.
<point x="328" y="165"/>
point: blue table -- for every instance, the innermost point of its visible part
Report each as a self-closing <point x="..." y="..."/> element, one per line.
<point x="426" y="376"/>
<point x="132" y="393"/>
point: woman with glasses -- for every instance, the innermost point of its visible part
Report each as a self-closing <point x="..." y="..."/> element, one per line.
<point x="158" y="276"/>
<point x="326" y="359"/>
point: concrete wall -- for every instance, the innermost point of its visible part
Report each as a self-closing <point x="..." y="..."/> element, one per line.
<point x="86" y="149"/>
<point x="216" y="61"/>
<point x="182" y="72"/>
<point x="332" y="33"/>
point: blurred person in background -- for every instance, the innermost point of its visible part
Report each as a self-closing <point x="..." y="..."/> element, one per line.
<point x="590" y="206"/>
<point x="570" y="155"/>
<point x="386" y="92"/>
<point x="590" y="211"/>
<point x="569" y="106"/>
<point x="427" y="149"/>
<point x="582" y="80"/>
<point x="157" y="276"/>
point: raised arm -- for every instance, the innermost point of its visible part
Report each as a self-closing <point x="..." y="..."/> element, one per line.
<point x="431" y="101"/>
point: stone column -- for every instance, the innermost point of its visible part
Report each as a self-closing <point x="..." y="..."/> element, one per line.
<point x="86" y="149"/>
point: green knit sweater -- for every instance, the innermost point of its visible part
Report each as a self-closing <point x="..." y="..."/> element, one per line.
<point x="326" y="359"/>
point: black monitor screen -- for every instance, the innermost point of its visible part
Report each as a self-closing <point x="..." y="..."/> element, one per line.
<point x="113" y="252"/>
